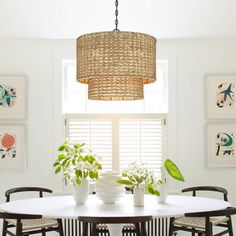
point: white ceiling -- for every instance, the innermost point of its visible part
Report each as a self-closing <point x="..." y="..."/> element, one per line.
<point x="50" y="19"/>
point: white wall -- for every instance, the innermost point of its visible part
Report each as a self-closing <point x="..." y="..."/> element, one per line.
<point x="36" y="60"/>
<point x="194" y="59"/>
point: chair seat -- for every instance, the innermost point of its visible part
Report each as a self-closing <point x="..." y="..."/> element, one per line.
<point x="125" y="227"/>
<point x="36" y="223"/>
<point x="198" y="222"/>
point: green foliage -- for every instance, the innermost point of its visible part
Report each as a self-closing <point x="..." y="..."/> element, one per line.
<point x="75" y="163"/>
<point x="173" y="170"/>
<point x="152" y="190"/>
<point x="137" y="175"/>
<point x="125" y="182"/>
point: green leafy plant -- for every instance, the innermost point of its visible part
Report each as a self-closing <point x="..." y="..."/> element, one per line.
<point x="76" y="163"/>
<point x="138" y="175"/>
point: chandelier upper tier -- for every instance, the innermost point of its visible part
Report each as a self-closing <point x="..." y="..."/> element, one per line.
<point x="116" y="64"/>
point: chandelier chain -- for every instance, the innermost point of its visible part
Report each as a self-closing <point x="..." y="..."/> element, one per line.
<point x="116" y="14"/>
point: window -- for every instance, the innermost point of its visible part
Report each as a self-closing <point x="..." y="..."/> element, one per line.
<point x="119" y="132"/>
<point x="121" y="139"/>
<point x="75" y="95"/>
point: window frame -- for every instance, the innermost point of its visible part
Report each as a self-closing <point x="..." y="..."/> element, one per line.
<point x="58" y="132"/>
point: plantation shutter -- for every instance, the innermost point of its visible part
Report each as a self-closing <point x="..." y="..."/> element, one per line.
<point x="121" y="139"/>
<point x="96" y="134"/>
<point x="142" y="140"/>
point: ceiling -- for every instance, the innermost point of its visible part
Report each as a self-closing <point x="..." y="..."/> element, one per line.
<point x="63" y="19"/>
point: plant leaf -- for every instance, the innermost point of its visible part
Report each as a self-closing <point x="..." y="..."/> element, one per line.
<point x="91" y="174"/>
<point x="152" y="190"/>
<point x="61" y="157"/>
<point x="58" y="169"/>
<point x="124" y="174"/>
<point x="62" y="147"/>
<point x="125" y="182"/>
<point x="78" y="181"/>
<point x="173" y="170"/>
<point x="56" y="164"/>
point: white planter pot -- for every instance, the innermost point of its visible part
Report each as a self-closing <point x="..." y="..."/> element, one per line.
<point x="163" y="193"/>
<point x="81" y="192"/>
<point x="138" y="197"/>
<point x="163" y="187"/>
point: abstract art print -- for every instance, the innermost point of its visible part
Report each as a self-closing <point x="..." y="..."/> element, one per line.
<point x="221" y="145"/>
<point x="12" y="96"/>
<point x="220" y="93"/>
<point x="12" y="147"/>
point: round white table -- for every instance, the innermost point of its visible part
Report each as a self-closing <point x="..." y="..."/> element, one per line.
<point x="64" y="207"/>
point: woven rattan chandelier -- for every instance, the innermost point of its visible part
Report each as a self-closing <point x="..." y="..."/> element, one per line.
<point x="116" y="64"/>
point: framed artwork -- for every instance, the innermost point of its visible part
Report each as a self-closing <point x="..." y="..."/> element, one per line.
<point x="221" y="144"/>
<point x="12" y="147"/>
<point x="12" y="96"/>
<point x="220" y="96"/>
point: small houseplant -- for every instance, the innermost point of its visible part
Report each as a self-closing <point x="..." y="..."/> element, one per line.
<point x="139" y="179"/>
<point x="77" y="165"/>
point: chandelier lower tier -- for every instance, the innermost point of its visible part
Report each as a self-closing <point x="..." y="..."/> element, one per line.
<point x="116" y="64"/>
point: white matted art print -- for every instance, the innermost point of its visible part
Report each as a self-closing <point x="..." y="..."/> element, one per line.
<point x="12" y="147"/>
<point x="221" y="144"/>
<point x="12" y="96"/>
<point x="220" y="96"/>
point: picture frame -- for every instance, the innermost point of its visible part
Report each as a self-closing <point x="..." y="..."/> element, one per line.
<point x="12" y="147"/>
<point x="220" y="141"/>
<point x="220" y="96"/>
<point x="12" y="96"/>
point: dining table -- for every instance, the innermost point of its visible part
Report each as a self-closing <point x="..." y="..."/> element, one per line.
<point x="65" y="207"/>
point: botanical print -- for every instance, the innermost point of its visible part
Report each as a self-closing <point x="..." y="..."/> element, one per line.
<point x="7" y="95"/>
<point x="225" y="94"/>
<point x="220" y="96"/>
<point x="7" y="145"/>
<point x="224" y="145"/>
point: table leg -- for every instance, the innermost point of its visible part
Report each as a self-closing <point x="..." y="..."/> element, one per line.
<point x="115" y="229"/>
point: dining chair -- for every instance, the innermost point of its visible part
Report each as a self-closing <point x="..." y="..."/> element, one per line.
<point x="138" y="221"/>
<point x="18" y="218"/>
<point x="28" y="225"/>
<point x="198" y="224"/>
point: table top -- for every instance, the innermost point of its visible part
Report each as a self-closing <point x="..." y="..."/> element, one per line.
<point x="65" y="207"/>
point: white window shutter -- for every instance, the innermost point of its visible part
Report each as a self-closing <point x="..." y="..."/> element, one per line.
<point x="96" y="134"/>
<point x="142" y="140"/>
<point x="120" y="139"/>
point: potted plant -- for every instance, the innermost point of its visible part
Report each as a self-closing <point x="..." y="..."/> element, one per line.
<point x="77" y="165"/>
<point x="140" y="180"/>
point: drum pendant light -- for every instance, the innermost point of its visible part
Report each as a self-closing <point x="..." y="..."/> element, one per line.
<point x="116" y="64"/>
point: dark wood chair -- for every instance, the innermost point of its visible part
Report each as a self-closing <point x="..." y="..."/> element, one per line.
<point x="18" y="218"/>
<point x="27" y="225"/>
<point x="198" y="224"/>
<point x="95" y="222"/>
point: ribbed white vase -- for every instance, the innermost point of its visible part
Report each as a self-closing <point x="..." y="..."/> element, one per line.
<point x="107" y="188"/>
<point x="81" y="192"/>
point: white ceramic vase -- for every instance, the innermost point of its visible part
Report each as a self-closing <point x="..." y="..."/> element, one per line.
<point x="81" y="192"/>
<point x="163" y="187"/>
<point x="138" y="193"/>
<point x="107" y="188"/>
